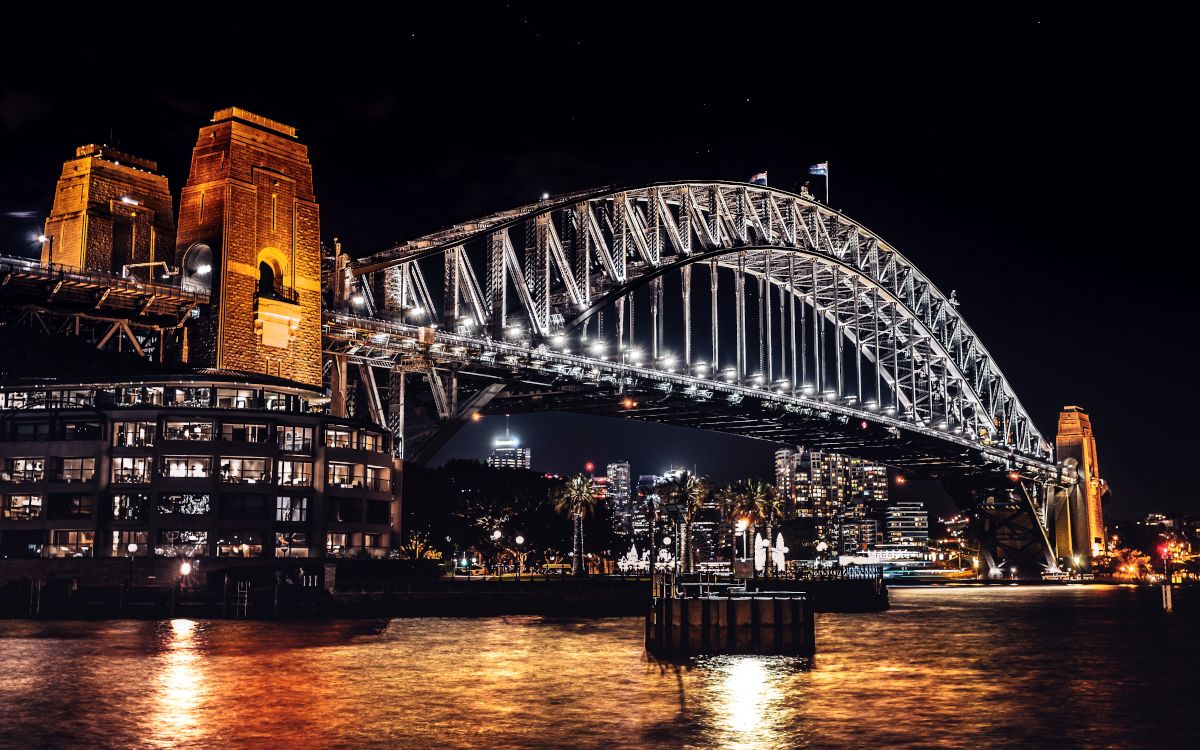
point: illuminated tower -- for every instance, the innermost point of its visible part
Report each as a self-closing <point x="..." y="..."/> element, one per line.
<point x="249" y="230"/>
<point x="110" y="211"/>
<point x="1078" y="515"/>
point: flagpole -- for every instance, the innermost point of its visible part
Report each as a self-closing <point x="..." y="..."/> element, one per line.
<point x="826" y="183"/>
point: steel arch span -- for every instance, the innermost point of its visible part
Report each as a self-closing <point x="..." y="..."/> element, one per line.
<point x="718" y="305"/>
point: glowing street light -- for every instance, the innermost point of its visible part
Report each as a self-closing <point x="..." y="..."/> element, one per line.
<point x="185" y="568"/>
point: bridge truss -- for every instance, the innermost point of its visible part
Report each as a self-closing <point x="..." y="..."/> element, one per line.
<point x="722" y="306"/>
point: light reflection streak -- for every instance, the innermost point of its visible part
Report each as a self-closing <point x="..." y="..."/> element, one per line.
<point x="745" y="702"/>
<point x="179" y="681"/>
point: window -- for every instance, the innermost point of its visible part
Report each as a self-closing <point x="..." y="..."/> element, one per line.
<point x="379" y="511"/>
<point x="130" y="507"/>
<point x="186" y="430"/>
<point x="291" y="509"/>
<point x="70" y="506"/>
<point x="22" y="507"/>
<point x="187" y="467"/>
<point x="74" y="398"/>
<point x="239" y="544"/>
<point x="28" y="431"/>
<point x="184" y="505"/>
<point x="335" y="438"/>
<point x="295" y="473"/>
<point x="25" y="400"/>
<point x="181" y="543"/>
<point x="189" y="397"/>
<point x="25" y="470"/>
<point x="236" y="398"/>
<point x="76" y="469"/>
<point x="343" y="509"/>
<point x="122" y="539"/>
<point x="71" y="543"/>
<point x="373" y="545"/>
<point x="131" y="469"/>
<point x="244" y="507"/>
<point x="344" y="475"/>
<point x="336" y="544"/>
<point x="291" y="544"/>
<point x="134" y="395"/>
<point x="275" y="401"/>
<point x="133" y="434"/>
<point x="237" y="432"/>
<point x="83" y="431"/>
<point x="295" y="438"/>
<point x="377" y="479"/>
<point x="372" y="441"/>
<point x="248" y="470"/>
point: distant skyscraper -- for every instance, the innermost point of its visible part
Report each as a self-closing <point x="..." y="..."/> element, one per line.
<point x="908" y="523"/>
<point x="643" y="503"/>
<point x="832" y="490"/>
<point x="507" y="453"/>
<point x="618" y="494"/>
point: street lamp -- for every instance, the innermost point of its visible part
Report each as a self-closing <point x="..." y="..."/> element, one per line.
<point x="520" y="555"/>
<point x="132" y="548"/>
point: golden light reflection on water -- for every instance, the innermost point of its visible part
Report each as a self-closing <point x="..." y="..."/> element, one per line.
<point x="180" y="672"/>
<point x="745" y="696"/>
<point x="941" y="669"/>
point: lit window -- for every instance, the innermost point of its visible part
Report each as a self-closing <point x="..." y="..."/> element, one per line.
<point x="295" y="473"/>
<point x="22" y="507"/>
<point x="245" y="470"/>
<point x="187" y="467"/>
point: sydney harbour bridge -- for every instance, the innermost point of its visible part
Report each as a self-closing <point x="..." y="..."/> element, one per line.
<point x="720" y="306"/>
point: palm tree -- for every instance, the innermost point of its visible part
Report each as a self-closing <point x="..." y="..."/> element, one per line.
<point x="688" y="492"/>
<point x="576" y="499"/>
<point x="733" y="500"/>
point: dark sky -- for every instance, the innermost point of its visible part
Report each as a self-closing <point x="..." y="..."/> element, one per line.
<point x="1029" y="160"/>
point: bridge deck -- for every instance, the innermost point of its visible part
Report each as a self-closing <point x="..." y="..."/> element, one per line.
<point x="30" y="282"/>
<point x="539" y="379"/>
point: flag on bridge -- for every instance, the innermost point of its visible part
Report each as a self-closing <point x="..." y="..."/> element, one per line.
<point x="759" y="179"/>
<point x="821" y="169"/>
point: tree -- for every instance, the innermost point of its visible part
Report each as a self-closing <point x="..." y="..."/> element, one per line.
<point x="576" y="499"/>
<point x="689" y="493"/>
<point x="733" y="499"/>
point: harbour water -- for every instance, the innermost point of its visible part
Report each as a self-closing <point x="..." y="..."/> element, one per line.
<point x="999" y="667"/>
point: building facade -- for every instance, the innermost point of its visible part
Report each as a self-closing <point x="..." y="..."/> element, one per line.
<point x="192" y="465"/>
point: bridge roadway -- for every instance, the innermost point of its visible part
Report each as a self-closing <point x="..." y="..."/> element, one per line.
<point x="541" y="379"/>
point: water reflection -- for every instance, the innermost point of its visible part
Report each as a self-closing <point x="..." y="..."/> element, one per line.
<point x="180" y="675"/>
<point x="946" y="668"/>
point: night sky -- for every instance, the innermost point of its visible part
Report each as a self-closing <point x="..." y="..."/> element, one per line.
<point x="1030" y="161"/>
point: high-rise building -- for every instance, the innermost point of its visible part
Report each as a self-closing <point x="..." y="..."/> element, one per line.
<point x="832" y="489"/>
<point x="617" y="476"/>
<point x="908" y="523"/>
<point x="507" y="453"/>
<point x="643" y="503"/>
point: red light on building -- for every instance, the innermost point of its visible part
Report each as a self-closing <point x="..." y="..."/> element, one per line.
<point x="1014" y="476"/>
<point x="589" y="467"/>
<point x="863" y="424"/>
